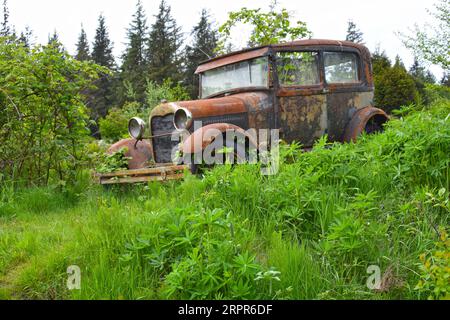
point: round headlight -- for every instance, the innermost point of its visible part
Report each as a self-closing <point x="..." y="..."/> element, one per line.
<point x="136" y="128"/>
<point x="182" y="119"/>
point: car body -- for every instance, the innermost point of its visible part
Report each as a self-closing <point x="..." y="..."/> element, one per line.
<point x="306" y="89"/>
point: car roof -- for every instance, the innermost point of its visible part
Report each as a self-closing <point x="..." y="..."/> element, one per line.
<point x="251" y="53"/>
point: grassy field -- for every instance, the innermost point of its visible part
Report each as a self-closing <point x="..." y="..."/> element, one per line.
<point x="309" y="232"/>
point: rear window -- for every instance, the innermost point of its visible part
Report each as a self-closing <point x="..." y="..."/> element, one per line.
<point x="341" y="67"/>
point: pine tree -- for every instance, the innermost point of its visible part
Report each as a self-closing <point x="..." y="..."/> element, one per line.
<point x="394" y="87"/>
<point x="53" y="40"/>
<point x="204" y="43"/>
<point x="421" y="77"/>
<point x="134" y="65"/>
<point x="164" y="46"/>
<point x="445" y="81"/>
<point x="419" y="72"/>
<point x="82" y="47"/>
<point x="102" y="46"/>
<point x="26" y="37"/>
<point x="353" y="33"/>
<point x="380" y="61"/>
<point x="6" y="29"/>
<point x="101" y="99"/>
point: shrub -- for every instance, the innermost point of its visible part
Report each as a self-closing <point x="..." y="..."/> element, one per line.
<point x="115" y="125"/>
<point x="43" y="119"/>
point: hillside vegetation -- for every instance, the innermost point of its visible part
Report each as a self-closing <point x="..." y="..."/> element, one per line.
<point x="309" y="232"/>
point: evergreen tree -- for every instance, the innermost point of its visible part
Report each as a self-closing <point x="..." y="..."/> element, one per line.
<point x="6" y="29"/>
<point x="164" y="46"/>
<point x="421" y="77"/>
<point x="380" y="61"/>
<point x="134" y="67"/>
<point x="353" y="33"/>
<point x="204" y="43"/>
<point x="53" y="40"/>
<point x="445" y="81"/>
<point x="26" y="37"/>
<point x="82" y="47"/>
<point x="394" y="87"/>
<point x="102" y="46"/>
<point x="102" y="98"/>
<point x="419" y="72"/>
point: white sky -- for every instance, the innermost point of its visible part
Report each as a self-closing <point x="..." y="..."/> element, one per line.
<point x="327" y="19"/>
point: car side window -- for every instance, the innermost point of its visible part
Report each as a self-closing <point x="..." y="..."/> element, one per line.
<point x="341" y="67"/>
<point x="298" y="68"/>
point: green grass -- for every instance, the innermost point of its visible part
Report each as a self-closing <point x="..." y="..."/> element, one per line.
<point x="309" y="232"/>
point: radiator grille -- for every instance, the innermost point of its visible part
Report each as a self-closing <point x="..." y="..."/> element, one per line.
<point x="163" y="146"/>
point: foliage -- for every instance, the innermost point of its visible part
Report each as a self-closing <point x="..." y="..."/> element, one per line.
<point x="435" y="278"/>
<point x="202" y="48"/>
<point x="353" y="33"/>
<point x="6" y="29"/>
<point x="113" y="162"/>
<point x="43" y="119"/>
<point x="268" y="27"/>
<point x="134" y="66"/>
<point x="83" y="53"/>
<point x="166" y="91"/>
<point x="309" y="232"/>
<point x="115" y="125"/>
<point x="163" y="51"/>
<point x="431" y="42"/>
<point x="394" y="87"/>
<point x="100" y="100"/>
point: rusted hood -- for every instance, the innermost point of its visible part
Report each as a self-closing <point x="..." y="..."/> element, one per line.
<point x="233" y="104"/>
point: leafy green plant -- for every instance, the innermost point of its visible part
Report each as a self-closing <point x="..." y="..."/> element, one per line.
<point x="268" y="27"/>
<point x="42" y="108"/>
<point x="435" y="267"/>
<point x="113" y="162"/>
<point x="115" y="125"/>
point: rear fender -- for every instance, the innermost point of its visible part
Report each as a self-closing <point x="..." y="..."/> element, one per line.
<point x="359" y="121"/>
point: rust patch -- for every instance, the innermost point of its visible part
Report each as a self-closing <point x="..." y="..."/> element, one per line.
<point x="358" y="123"/>
<point x="204" y="136"/>
<point x="141" y="156"/>
<point x="303" y="118"/>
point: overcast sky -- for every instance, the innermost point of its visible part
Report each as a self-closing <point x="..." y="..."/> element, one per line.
<point x="327" y="19"/>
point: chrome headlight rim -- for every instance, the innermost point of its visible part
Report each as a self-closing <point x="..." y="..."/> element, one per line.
<point x="187" y="122"/>
<point x="136" y="124"/>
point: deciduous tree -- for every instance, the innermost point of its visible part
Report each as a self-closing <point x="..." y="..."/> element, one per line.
<point x="268" y="27"/>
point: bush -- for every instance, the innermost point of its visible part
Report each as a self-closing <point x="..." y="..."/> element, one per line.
<point x="115" y="125"/>
<point x="43" y="122"/>
<point x="166" y="91"/>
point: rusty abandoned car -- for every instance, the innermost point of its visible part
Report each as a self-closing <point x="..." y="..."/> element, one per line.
<point x="305" y="89"/>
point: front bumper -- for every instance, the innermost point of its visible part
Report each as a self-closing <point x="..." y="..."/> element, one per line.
<point x="161" y="172"/>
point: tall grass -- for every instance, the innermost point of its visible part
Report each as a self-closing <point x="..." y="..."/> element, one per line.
<point x="309" y="232"/>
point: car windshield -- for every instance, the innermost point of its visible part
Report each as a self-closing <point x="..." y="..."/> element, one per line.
<point x="250" y="73"/>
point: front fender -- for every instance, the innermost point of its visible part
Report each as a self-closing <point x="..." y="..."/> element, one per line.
<point x="140" y="153"/>
<point x="204" y="136"/>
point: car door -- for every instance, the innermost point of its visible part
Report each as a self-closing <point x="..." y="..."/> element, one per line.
<point x="346" y="87"/>
<point x="302" y="102"/>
